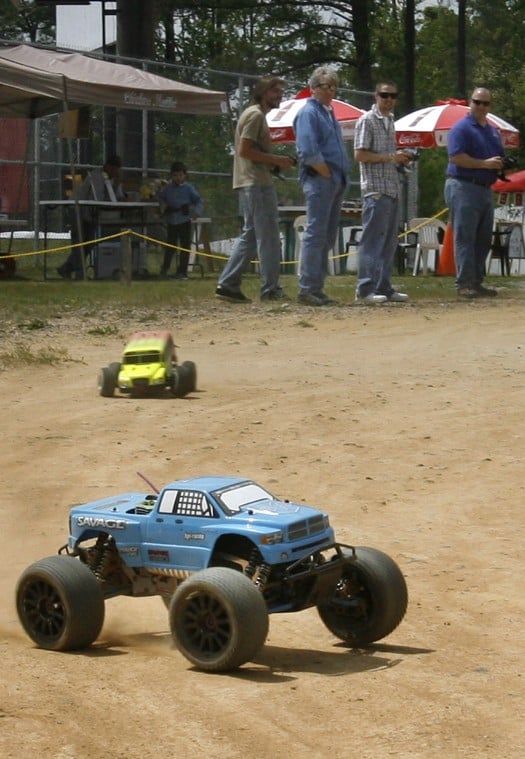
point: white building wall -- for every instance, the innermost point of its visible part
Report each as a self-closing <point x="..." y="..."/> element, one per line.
<point x="79" y="27"/>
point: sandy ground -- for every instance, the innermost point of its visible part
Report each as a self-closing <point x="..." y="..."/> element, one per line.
<point x="404" y="422"/>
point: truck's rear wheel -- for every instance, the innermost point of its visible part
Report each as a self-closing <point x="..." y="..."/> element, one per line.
<point x="218" y="619"/>
<point x="370" y="599"/>
<point x="60" y="603"/>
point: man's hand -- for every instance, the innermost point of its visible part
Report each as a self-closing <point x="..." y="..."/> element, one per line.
<point x="495" y="163"/>
<point x="284" y="162"/>
<point x="402" y="158"/>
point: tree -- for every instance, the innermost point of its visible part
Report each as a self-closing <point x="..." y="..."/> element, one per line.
<point x="26" y="22"/>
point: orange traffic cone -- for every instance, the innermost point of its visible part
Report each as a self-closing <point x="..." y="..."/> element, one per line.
<point x="446" y="263"/>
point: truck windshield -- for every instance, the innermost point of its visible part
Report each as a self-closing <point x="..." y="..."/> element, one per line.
<point x="142" y="358"/>
<point x="242" y="495"/>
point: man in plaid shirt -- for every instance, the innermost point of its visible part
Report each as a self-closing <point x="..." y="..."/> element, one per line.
<point x="375" y="150"/>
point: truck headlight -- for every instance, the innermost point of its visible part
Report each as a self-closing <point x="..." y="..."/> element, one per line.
<point x="272" y="538"/>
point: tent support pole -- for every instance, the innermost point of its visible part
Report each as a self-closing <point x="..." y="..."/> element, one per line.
<point x="78" y="220"/>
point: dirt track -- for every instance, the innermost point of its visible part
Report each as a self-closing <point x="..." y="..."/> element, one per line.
<point x="405" y="423"/>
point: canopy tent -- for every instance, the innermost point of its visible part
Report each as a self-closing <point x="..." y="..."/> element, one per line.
<point x="35" y="82"/>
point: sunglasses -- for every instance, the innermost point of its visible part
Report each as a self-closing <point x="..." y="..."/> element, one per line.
<point x="486" y="103"/>
<point x="386" y="95"/>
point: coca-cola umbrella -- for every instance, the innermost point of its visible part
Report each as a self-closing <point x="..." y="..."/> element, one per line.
<point x="280" y="120"/>
<point x="514" y="183"/>
<point x="429" y="127"/>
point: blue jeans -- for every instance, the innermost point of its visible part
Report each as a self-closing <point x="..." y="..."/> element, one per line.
<point x="259" y="238"/>
<point x="323" y="207"/>
<point x="378" y="245"/>
<point x="472" y="215"/>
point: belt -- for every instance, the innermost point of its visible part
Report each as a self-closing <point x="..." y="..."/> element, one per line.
<point x="472" y="180"/>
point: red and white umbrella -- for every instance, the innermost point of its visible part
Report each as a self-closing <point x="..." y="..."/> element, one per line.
<point x="514" y="183"/>
<point x="280" y="120"/>
<point x="429" y="127"/>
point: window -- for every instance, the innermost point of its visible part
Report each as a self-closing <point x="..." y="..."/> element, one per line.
<point x="186" y="503"/>
<point x="153" y="357"/>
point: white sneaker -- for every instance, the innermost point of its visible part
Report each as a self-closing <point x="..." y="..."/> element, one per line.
<point x="372" y="299"/>
<point x="396" y="297"/>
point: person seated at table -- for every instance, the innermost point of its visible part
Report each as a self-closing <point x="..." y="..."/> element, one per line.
<point x="180" y="202"/>
<point x="101" y="184"/>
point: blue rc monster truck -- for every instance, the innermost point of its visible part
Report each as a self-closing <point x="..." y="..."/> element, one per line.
<point x="223" y="554"/>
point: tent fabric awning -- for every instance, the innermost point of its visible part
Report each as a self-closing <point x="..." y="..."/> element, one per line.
<point x="36" y="82"/>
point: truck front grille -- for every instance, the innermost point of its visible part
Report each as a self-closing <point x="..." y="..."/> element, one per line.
<point x="307" y="527"/>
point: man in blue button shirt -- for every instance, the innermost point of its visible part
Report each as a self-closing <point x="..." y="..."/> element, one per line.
<point x="475" y="153"/>
<point x="323" y="175"/>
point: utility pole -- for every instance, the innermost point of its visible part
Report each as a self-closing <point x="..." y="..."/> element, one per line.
<point x="462" y="48"/>
<point x="410" y="53"/>
<point x="135" y="33"/>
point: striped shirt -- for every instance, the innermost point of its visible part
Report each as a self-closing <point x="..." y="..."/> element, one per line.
<point x="376" y="133"/>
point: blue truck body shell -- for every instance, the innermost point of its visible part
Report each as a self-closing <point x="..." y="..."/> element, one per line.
<point x="179" y="528"/>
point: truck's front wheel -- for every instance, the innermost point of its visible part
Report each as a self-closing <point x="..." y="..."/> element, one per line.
<point x="370" y="599"/>
<point x="108" y="379"/>
<point x="184" y="379"/>
<point x="218" y="619"/>
<point x="60" y="604"/>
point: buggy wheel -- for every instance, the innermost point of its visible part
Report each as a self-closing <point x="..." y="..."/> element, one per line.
<point x="108" y="379"/>
<point x="60" y="603"/>
<point x="218" y="619"/>
<point x="370" y="599"/>
<point x="190" y="370"/>
<point x="184" y="379"/>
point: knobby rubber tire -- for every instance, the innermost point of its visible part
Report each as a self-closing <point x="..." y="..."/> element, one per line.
<point x="218" y="619"/>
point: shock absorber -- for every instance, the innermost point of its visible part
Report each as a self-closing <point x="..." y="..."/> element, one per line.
<point x="100" y="557"/>
<point x="95" y="553"/>
<point x="105" y="564"/>
<point x="253" y="561"/>
<point x="262" y="577"/>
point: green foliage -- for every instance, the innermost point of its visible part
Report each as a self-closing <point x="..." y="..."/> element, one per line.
<point x="432" y="170"/>
<point x="436" y="57"/>
<point x="27" y="22"/>
<point x="215" y="41"/>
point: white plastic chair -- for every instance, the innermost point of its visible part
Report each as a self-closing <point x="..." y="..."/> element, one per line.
<point x="299" y="225"/>
<point x="351" y="247"/>
<point x="427" y="241"/>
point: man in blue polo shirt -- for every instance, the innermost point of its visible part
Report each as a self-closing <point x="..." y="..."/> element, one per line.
<point x="475" y="153"/>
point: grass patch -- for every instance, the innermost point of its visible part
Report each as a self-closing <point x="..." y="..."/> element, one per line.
<point x="108" y="329"/>
<point x="23" y="355"/>
<point x="36" y="295"/>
